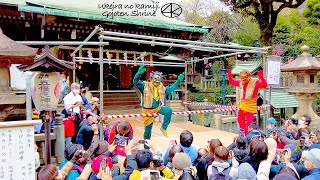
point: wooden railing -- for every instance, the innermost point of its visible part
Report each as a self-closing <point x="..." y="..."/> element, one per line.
<point x="208" y="83"/>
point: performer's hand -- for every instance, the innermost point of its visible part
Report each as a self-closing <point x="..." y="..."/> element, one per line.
<point x="180" y="77"/>
<point x="142" y="69"/>
<point x="260" y="73"/>
<point x="229" y="72"/>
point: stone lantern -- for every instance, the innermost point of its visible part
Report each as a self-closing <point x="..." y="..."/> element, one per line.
<point x="305" y="82"/>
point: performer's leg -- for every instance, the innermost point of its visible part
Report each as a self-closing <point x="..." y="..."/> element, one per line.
<point x="241" y="120"/>
<point x="147" y="131"/>
<point x="167" y="112"/>
<point x="249" y="118"/>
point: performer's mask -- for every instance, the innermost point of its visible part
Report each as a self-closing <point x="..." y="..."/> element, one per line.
<point x="156" y="78"/>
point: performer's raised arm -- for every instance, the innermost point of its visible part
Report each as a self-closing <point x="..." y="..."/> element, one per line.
<point x="136" y="80"/>
<point x="170" y="89"/>
<point x="231" y="80"/>
<point x="262" y="83"/>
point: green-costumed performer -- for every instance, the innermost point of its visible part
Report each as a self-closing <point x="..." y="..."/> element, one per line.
<point x="153" y="99"/>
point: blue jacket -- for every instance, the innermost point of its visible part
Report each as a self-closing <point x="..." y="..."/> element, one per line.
<point x="73" y="174"/>
<point x="314" y="174"/>
<point x="191" y="151"/>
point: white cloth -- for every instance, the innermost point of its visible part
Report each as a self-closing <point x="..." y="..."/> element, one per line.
<point x="264" y="170"/>
<point x="70" y="100"/>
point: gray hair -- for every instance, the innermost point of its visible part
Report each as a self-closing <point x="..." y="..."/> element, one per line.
<point x="75" y="85"/>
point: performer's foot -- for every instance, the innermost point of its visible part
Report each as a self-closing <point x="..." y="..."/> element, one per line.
<point x="164" y="132"/>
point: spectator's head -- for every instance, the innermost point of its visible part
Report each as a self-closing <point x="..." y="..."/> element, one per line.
<point x="221" y="154"/>
<point x="244" y="76"/>
<point x="95" y="101"/>
<point x="144" y="158"/>
<point x="93" y="120"/>
<point x="241" y="143"/>
<point x="180" y="161"/>
<point x="246" y="171"/>
<point x="186" y="176"/>
<point x="303" y="132"/>
<point x="304" y="121"/>
<point x="312" y="158"/>
<point x="253" y="126"/>
<point x="48" y="172"/>
<point x="291" y="124"/>
<point x="271" y="143"/>
<point x="70" y="150"/>
<point x="273" y="133"/>
<point x="75" y="88"/>
<point x="258" y="151"/>
<point x="174" y="149"/>
<point x="315" y="135"/>
<point x="83" y="92"/>
<point x="102" y="147"/>
<point x="123" y="128"/>
<point x="271" y="123"/>
<point x="186" y="138"/>
<point x="202" y="152"/>
<point x="213" y="144"/>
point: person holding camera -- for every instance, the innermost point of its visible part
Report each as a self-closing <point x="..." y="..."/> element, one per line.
<point x="86" y="132"/>
<point x="150" y="164"/>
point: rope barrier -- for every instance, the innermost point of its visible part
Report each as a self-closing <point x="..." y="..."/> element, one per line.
<point x="220" y="108"/>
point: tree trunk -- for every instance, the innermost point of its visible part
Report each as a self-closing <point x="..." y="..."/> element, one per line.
<point x="266" y="35"/>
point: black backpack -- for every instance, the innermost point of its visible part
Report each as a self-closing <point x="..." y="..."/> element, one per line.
<point x="224" y="175"/>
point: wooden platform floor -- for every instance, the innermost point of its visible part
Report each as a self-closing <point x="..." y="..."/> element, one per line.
<point x="201" y="134"/>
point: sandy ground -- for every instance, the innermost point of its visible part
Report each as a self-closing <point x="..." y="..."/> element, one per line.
<point x="201" y="134"/>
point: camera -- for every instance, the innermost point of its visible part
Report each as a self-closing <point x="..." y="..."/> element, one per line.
<point x="142" y="141"/>
<point x="103" y="163"/>
<point x="120" y="140"/>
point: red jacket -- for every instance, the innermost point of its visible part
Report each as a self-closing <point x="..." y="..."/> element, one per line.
<point x="69" y="129"/>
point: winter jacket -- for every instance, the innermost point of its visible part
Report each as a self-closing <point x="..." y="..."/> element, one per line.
<point x="84" y="136"/>
<point x="285" y="136"/>
<point x="240" y="154"/>
<point x="221" y="166"/>
<point x="314" y="174"/>
<point x="191" y="151"/>
<point x="68" y="127"/>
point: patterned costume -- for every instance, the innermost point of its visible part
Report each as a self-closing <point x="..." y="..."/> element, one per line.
<point x="248" y="98"/>
<point x="153" y="99"/>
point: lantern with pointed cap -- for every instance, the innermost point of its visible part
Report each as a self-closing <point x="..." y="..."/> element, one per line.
<point x="305" y="86"/>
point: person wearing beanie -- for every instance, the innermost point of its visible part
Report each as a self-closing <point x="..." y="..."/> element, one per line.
<point x="271" y="123"/>
<point x="312" y="163"/>
<point x="180" y="161"/>
<point x="246" y="172"/>
<point x="241" y="150"/>
<point x="253" y="129"/>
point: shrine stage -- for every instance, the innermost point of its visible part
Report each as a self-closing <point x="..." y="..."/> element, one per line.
<point x="201" y="134"/>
